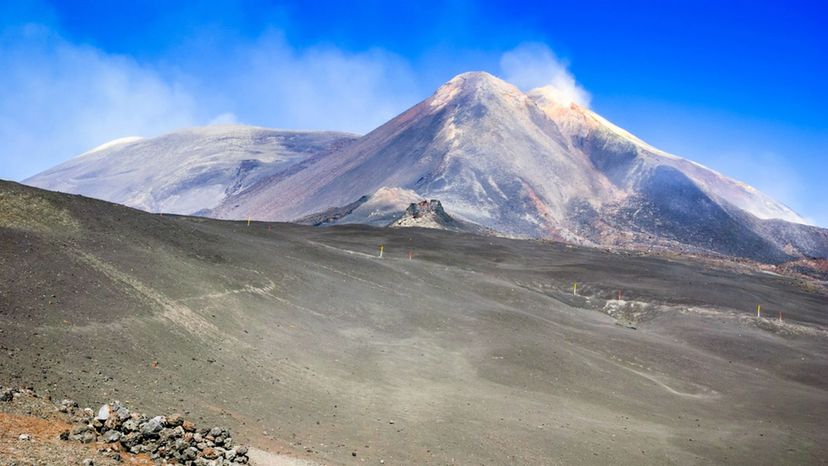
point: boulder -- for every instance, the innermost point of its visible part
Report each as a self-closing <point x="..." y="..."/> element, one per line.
<point x="151" y="428"/>
<point x="67" y="406"/>
<point x="6" y="394"/>
<point x="189" y="454"/>
<point x="131" y="439"/>
<point x="210" y="453"/>
<point x="78" y="429"/>
<point x="130" y="425"/>
<point x="175" y="420"/>
<point x="111" y="436"/>
<point x="103" y="413"/>
<point x="122" y="413"/>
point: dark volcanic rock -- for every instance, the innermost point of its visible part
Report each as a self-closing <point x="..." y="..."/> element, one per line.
<point x="430" y="214"/>
<point x="163" y="438"/>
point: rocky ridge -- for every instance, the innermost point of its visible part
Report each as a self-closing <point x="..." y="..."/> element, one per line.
<point x="189" y="170"/>
<point x="426" y="214"/>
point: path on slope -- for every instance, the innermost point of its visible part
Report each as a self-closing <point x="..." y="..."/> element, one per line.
<point x="473" y="351"/>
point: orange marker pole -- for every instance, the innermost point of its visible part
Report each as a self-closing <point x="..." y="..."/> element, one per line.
<point x="410" y="255"/>
<point x="575" y="288"/>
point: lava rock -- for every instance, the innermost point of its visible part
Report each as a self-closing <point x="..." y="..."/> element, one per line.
<point x="175" y="420"/>
<point x="67" y="406"/>
<point x="122" y="413"/>
<point x="131" y="439"/>
<point x="130" y="425"/>
<point x="210" y="453"/>
<point x="79" y="429"/>
<point x="111" y="436"/>
<point x="151" y="428"/>
<point x="7" y="394"/>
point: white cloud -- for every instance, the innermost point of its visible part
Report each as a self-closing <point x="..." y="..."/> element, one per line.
<point x="532" y="65"/>
<point x="59" y="99"/>
<point x="268" y="82"/>
<point x="226" y="118"/>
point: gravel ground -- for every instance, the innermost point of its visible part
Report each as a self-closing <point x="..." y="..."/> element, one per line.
<point x="474" y="351"/>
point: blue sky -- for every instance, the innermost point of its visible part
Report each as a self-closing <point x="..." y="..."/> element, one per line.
<point x="737" y="86"/>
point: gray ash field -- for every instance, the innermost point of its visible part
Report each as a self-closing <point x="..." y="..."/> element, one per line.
<point x="475" y="351"/>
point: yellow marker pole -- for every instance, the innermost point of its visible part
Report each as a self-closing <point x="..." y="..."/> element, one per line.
<point x="575" y="288"/>
<point x="248" y="220"/>
<point x="381" y="249"/>
<point x="758" y="310"/>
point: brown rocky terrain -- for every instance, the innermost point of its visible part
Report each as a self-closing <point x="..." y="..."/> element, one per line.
<point x="33" y="432"/>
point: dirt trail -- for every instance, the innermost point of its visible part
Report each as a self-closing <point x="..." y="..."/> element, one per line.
<point x="476" y="351"/>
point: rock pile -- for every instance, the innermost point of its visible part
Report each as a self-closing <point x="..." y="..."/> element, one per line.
<point x="168" y="440"/>
<point x="8" y="393"/>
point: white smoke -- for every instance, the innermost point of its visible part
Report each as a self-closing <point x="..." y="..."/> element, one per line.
<point x="532" y="65"/>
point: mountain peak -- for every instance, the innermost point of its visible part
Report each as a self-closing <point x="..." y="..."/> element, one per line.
<point x="475" y="76"/>
<point x="533" y="165"/>
<point x="478" y="84"/>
